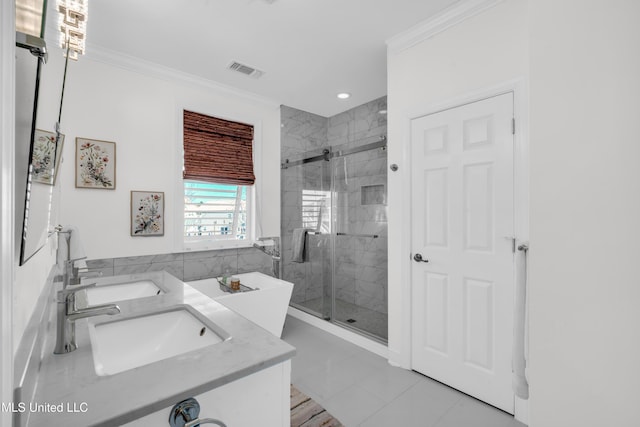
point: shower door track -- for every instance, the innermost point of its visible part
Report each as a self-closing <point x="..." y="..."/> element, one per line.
<point x="327" y="154"/>
<point x="382" y="144"/>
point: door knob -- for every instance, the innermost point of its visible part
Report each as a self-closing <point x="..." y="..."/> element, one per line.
<point x="418" y="258"/>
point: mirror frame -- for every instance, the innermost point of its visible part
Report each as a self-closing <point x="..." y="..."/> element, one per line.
<point x="37" y="47"/>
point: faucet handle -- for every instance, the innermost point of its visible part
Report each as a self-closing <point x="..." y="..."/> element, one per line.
<point x="90" y="273"/>
<point x="75" y="288"/>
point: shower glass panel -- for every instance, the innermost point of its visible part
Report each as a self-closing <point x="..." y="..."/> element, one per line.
<point x="360" y="248"/>
<point x="338" y="196"/>
<point x="307" y="204"/>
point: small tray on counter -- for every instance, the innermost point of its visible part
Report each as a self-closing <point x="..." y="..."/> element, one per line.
<point x="226" y="288"/>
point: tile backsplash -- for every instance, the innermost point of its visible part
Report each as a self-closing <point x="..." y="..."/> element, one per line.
<point x="188" y="266"/>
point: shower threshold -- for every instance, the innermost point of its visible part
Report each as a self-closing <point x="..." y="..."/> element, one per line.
<point x="361" y="320"/>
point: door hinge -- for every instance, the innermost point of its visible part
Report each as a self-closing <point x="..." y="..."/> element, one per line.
<point x="513" y="126"/>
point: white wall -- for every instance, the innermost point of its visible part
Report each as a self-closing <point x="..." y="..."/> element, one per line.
<point x="483" y="51"/>
<point x="582" y="61"/>
<point x="29" y="283"/>
<point x="7" y="135"/>
<point x="138" y="106"/>
<point x="585" y="212"/>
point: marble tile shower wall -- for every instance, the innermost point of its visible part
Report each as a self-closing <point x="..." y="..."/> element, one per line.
<point x="357" y="124"/>
<point x="360" y="263"/>
<point x="301" y="132"/>
<point x="188" y="266"/>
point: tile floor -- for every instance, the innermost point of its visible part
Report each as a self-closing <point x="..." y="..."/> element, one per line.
<point x="361" y="389"/>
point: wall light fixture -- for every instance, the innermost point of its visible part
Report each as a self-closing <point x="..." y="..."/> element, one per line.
<point x="73" y="26"/>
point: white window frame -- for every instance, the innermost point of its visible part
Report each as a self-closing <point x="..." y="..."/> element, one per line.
<point x="197" y="241"/>
<point x="180" y="244"/>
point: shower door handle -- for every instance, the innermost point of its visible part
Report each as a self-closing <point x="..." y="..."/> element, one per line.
<point x="418" y="258"/>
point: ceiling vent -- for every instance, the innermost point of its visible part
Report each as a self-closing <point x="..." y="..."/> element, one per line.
<point x="245" y="69"/>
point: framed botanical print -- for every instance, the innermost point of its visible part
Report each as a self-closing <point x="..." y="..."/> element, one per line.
<point x="147" y="213"/>
<point x="95" y="164"/>
<point x="45" y="157"/>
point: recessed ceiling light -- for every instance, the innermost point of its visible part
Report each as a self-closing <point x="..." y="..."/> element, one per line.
<point x="344" y="95"/>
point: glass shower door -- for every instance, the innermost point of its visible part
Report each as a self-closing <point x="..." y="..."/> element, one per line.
<point x="339" y="198"/>
<point x="306" y="204"/>
<point x="360" y="225"/>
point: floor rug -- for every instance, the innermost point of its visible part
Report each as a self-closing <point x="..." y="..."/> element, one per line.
<point x="306" y="412"/>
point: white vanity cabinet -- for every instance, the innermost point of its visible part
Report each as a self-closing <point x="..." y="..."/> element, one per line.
<point x="259" y="399"/>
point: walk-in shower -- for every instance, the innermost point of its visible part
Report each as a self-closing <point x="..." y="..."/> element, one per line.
<point x="337" y="196"/>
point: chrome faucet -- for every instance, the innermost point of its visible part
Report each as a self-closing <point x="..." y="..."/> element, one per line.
<point x="273" y="251"/>
<point x="72" y="274"/>
<point x="68" y="313"/>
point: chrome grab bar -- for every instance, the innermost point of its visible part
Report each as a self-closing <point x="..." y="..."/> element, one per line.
<point x="318" y="233"/>
<point x="373" y="236"/>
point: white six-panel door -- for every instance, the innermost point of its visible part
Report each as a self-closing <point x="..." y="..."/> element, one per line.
<point x="462" y="224"/>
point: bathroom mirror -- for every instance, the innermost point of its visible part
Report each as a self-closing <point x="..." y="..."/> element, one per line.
<point x="36" y="149"/>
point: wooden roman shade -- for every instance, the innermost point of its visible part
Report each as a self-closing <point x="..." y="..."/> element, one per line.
<point x="217" y="150"/>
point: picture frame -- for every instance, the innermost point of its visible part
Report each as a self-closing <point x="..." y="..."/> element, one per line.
<point x="95" y="164"/>
<point x="45" y="156"/>
<point x="147" y="213"/>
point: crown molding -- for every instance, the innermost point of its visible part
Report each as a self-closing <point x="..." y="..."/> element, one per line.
<point x="162" y="72"/>
<point x="444" y="20"/>
<point x="130" y="63"/>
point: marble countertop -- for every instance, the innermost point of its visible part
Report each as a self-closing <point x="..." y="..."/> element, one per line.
<point x="69" y="381"/>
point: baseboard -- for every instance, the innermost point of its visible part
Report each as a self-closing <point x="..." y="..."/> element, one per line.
<point x="522" y="410"/>
<point x="354" y="338"/>
<point x="396" y="359"/>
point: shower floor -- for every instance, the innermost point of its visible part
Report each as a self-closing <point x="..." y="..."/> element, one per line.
<point x="354" y="316"/>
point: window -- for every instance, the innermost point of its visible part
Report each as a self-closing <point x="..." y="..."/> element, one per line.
<point x="217" y="180"/>
<point x="214" y="211"/>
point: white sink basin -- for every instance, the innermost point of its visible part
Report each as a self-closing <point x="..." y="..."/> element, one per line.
<point x="120" y="345"/>
<point x="122" y="291"/>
